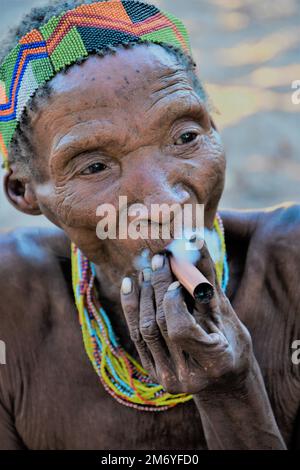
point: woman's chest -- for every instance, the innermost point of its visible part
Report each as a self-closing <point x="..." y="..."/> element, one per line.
<point x="65" y="418"/>
<point x="63" y="405"/>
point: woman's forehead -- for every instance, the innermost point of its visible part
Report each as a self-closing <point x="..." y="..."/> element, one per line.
<point x="138" y="68"/>
<point x="129" y="82"/>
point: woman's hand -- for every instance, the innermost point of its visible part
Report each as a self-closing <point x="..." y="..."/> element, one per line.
<point x="184" y="352"/>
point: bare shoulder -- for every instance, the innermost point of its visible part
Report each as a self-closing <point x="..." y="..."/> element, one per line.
<point x="31" y="259"/>
<point x="273" y="227"/>
<point x="265" y="245"/>
<point x="28" y="244"/>
<point x="282" y="224"/>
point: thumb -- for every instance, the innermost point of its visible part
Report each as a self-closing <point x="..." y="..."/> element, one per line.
<point x="206" y="265"/>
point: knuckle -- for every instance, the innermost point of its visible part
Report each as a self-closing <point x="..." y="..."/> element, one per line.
<point x="183" y="375"/>
<point x="170" y="302"/>
<point x="173" y="389"/>
<point x="151" y="374"/>
<point x="214" y="372"/>
<point x="148" y="330"/>
<point x="161" y="319"/>
<point x="135" y="335"/>
<point x="161" y="279"/>
<point x="169" y="382"/>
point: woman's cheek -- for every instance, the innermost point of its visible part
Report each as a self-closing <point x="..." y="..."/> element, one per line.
<point x="205" y="172"/>
<point x="70" y="205"/>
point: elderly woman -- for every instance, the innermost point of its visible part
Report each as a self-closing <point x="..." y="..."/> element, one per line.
<point x="101" y="100"/>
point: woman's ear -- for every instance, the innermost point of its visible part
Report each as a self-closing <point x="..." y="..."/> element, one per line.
<point x="20" y="194"/>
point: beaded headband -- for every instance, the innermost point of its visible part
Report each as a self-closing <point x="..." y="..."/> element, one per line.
<point x="70" y="36"/>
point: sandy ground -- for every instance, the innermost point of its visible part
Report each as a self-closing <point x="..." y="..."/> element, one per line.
<point x="248" y="54"/>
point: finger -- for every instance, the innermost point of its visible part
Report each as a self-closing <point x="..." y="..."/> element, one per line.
<point x="189" y="335"/>
<point x="161" y="278"/>
<point x="206" y="265"/>
<point x="150" y="331"/>
<point x="130" y="305"/>
<point x="148" y="326"/>
<point x="181" y="325"/>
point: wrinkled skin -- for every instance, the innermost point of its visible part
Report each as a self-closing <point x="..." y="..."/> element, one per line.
<point x="117" y="126"/>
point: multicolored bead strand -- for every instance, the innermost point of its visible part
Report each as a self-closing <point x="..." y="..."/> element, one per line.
<point x="222" y="267"/>
<point x="120" y="374"/>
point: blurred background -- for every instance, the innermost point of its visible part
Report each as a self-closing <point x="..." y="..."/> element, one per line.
<point x="248" y="55"/>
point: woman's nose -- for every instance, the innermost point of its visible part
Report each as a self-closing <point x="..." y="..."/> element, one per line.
<point x="150" y="184"/>
<point x="167" y="193"/>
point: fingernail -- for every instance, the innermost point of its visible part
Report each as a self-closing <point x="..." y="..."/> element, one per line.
<point x="174" y="285"/>
<point x="147" y="274"/>
<point x="126" y="286"/>
<point x="157" y="262"/>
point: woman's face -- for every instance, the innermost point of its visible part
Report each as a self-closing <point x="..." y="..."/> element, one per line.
<point x="130" y="125"/>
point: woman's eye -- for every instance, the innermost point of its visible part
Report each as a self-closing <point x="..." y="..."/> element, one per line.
<point x="186" y="138"/>
<point x="94" y="168"/>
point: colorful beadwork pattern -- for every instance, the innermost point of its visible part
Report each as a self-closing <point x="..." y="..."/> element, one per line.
<point x="70" y="36"/>
<point x="119" y="373"/>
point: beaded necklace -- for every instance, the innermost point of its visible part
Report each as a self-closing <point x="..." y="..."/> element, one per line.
<point x="120" y="374"/>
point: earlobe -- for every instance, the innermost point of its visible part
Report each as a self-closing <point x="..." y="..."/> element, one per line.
<point x="20" y="194"/>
